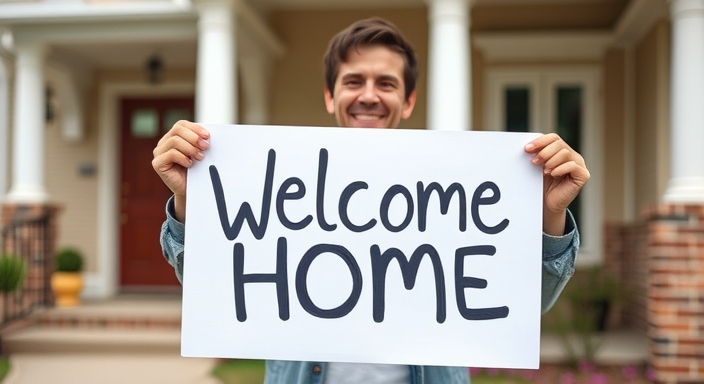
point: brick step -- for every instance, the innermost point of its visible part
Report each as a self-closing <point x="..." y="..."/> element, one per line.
<point x="125" y="324"/>
<point x="56" y="319"/>
<point x="122" y="312"/>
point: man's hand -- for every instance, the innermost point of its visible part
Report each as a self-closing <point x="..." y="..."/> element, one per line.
<point x="177" y="151"/>
<point x="564" y="175"/>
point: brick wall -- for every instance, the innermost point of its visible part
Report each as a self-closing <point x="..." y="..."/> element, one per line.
<point x="624" y="256"/>
<point x="674" y="253"/>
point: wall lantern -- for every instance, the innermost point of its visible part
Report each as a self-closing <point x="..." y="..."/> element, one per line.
<point x="155" y="69"/>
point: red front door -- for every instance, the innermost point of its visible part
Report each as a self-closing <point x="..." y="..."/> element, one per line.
<point x="142" y="194"/>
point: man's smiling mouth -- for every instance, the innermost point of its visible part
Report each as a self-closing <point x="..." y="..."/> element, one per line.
<point x="362" y="117"/>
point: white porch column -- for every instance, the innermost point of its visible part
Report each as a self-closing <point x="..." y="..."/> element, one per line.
<point x="687" y="111"/>
<point x="216" y="74"/>
<point x="449" y="67"/>
<point x="28" y="134"/>
<point x="4" y="129"/>
<point x="256" y="71"/>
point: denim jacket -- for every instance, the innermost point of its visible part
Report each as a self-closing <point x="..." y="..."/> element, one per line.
<point x="559" y="253"/>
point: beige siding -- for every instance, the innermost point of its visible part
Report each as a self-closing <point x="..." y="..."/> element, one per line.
<point x="297" y="85"/>
<point x="652" y="96"/>
<point x="74" y="193"/>
<point x="614" y="135"/>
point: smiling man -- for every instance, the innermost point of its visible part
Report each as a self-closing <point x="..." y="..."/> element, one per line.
<point x="366" y="86"/>
<point x="370" y="76"/>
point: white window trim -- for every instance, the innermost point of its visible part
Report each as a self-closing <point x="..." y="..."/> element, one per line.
<point x="541" y="81"/>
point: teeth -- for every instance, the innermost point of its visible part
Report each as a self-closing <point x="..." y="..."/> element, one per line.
<point x="367" y="117"/>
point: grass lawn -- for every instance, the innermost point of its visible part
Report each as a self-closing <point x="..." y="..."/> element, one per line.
<point x="4" y="367"/>
<point x="240" y="372"/>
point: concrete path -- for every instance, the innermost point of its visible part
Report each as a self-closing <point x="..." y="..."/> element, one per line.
<point x="106" y="368"/>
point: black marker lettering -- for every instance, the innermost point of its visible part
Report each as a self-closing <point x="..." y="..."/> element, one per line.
<point x="279" y="278"/>
<point x="386" y="202"/>
<point x="478" y="200"/>
<point x="462" y="282"/>
<point x="320" y="198"/>
<point x="302" y="284"/>
<point x="245" y="212"/>
<point x="445" y="197"/>
<point x="284" y="195"/>
<point x="409" y="271"/>
<point x="344" y="202"/>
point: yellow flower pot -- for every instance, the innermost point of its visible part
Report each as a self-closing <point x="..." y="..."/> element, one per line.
<point x="66" y="286"/>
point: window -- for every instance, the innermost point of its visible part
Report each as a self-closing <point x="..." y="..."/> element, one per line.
<point x="144" y="123"/>
<point x="517" y="109"/>
<point x="172" y="115"/>
<point x="561" y="100"/>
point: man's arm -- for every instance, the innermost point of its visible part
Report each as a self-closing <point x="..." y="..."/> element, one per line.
<point x="172" y="239"/>
<point x="174" y="154"/>
<point x="564" y="175"/>
<point x="559" y="255"/>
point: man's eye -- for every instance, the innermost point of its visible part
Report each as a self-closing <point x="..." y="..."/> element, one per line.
<point x="352" y="83"/>
<point x="387" y="85"/>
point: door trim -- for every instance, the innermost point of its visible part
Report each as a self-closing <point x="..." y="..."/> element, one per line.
<point x="104" y="282"/>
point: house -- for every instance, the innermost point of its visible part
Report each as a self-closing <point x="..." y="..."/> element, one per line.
<point x="88" y="87"/>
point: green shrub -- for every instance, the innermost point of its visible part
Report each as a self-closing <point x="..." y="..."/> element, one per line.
<point x="12" y="272"/>
<point x="69" y="260"/>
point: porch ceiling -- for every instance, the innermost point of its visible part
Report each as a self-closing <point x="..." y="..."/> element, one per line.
<point x="487" y="16"/>
<point x="174" y="54"/>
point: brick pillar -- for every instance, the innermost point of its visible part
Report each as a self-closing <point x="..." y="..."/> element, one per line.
<point x="36" y="243"/>
<point x="625" y="247"/>
<point x="675" y="290"/>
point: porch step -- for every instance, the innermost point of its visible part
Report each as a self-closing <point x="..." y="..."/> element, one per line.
<point x="124" y="324"/>
<point x="121" y="312"/>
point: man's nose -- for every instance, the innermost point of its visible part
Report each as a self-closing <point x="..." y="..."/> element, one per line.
<point x="369" y="94"/>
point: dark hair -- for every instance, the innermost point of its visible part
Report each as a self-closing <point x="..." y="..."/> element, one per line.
<point x="374" y="31"/>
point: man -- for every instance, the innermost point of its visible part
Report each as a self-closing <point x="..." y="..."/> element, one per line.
<point x="370" y="74"/>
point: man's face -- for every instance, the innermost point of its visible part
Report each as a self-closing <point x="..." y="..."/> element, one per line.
<point x="369" y="89"/>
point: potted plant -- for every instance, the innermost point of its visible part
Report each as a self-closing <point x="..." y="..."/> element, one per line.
<point x="66" y="281"/>
<point x="596" y="294"/>
<point x="12" y="272"/>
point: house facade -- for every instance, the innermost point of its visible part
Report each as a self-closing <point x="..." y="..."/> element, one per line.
<point x="87" y="87"/>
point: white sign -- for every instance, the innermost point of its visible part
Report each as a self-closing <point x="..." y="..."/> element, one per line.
<point x="364" y="245"/>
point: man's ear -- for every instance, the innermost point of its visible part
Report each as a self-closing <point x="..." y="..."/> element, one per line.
<point x="329" y="102"/>
<point x="408" y="105"/>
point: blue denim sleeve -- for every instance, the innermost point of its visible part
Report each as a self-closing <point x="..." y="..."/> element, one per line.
<point x="559" y="255"/>
<point x="172" y="238"/>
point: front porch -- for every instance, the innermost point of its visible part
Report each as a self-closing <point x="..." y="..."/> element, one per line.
<point x="126" y="339"/>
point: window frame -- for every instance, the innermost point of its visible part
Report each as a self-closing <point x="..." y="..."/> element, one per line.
<point x="542" y="83"/>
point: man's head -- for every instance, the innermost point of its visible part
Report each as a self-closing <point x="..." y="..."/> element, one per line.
<point x="370" y="75"/>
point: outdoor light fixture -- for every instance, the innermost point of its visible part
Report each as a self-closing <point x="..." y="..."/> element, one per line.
<point x="155" y="68"/>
